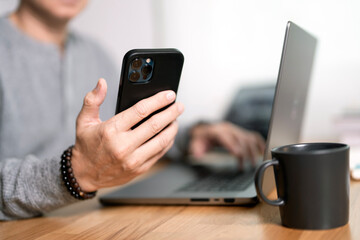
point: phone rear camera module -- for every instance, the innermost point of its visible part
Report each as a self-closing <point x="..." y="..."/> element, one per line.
<point x="134" y="76"/>
<point x="141" y="70"/>
<point x="137" y="63"/>
<point x="146" y="69"/>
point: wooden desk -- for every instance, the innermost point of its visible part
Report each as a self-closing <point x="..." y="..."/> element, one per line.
<point x="89" y="220"/>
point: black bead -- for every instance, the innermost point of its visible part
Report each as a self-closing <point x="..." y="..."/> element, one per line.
<point x="69" y="179"/>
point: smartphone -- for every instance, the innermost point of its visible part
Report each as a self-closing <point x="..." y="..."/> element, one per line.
<point x="146" y="72"/>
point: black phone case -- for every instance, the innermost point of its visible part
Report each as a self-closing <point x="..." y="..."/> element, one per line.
<point x="166" y="74"/>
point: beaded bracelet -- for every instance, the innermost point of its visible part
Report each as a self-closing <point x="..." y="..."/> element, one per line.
<point x="69" y="179"/>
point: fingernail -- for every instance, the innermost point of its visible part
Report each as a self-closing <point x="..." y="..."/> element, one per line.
<point x="171" y="96"/>
<point x="180" y="107"/>
<point x="97" y="88"/>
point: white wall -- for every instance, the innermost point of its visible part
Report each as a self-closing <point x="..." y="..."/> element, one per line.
<point x="230" y="43"/>
<point x="7" y="6"/>
<point x="118" y="25"/>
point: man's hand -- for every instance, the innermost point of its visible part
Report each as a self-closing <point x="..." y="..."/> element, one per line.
<point x="110" y="153"/>
<point x="241" y="143"/>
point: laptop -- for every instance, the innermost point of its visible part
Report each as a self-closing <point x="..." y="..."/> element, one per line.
<point x="216" y="184"/>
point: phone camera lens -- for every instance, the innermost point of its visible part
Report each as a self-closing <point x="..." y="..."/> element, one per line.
<point x="134" y="76"/>
<point x="136" y="64"/>
<point x="146" y="70"/>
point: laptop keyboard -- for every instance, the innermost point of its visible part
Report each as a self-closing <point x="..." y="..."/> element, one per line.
<point x="220" y="182"/>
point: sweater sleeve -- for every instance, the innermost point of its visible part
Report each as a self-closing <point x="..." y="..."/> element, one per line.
<point x="30" y="187"/>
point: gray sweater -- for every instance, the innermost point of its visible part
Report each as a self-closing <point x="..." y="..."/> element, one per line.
<point x="41" y="93"/>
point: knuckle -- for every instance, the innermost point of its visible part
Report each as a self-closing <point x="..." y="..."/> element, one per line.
<point x="117" y="155"/>
<point x="117" y="123"/>
<point x="154" y="126"/>
<point x="140" y="109"/>
<point x="107" y="132"/>
<point x="88" y="100"/>
<point x="163" y="142"/>
<point x="130" y="167"/>
<point x="120" y="153"/>
<point x="139" y="171"/>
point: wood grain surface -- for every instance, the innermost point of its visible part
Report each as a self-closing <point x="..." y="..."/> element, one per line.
<point x="89" y="220"/>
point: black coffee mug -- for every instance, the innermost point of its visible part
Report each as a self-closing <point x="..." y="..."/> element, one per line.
<point x="312" y="181"/>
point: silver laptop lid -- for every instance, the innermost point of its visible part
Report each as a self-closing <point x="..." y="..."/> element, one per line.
<point x="291" y="92"/>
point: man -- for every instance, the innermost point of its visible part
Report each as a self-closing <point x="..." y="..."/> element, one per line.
<point x="45" y="71"/>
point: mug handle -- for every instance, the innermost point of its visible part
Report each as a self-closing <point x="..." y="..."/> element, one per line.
<point x="259" y="175"/>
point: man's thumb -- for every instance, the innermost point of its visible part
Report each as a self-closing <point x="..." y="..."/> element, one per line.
<point x="92" y="102"/>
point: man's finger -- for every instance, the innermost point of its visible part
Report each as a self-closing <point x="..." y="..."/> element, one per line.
<point x="131" y="116"/>
<point x="228" y="141"/>
<point x="156" y="123"/>
<point x="92" y="102"/>
<point x="156" y="144"/>
<point x="149" y="163"/>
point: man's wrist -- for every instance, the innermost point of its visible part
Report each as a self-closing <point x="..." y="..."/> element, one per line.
<point x="82" y="171"/>
<point x="68" y="172"/>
